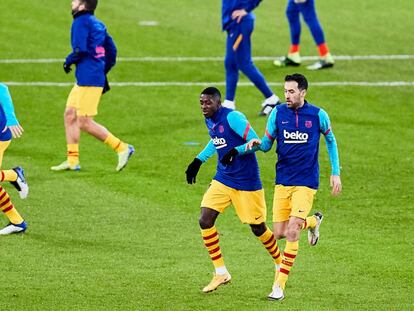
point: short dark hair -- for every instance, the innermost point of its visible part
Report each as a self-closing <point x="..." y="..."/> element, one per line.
<point x="300" y="79"/>
<point x="90" y="5"/>
<point x="213" y="91"/>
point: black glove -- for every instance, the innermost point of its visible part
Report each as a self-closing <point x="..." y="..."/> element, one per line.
<point x="66" y="67"/>
<point x="106" y="87"/>
<point x="192" y="170"/>
<point x="229" y="157"/>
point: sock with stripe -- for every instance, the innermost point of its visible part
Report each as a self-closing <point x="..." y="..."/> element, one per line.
<point x="73" y="154"/>
<point x="323" y="50"/>
<point x="115" y="143"/>
<point x="8" y="209"/>
<point x="294" y="48"/>
<point x="211" y="242"/>
<point x="310" y="222"/>
<point x="269" y="241"/>
<point x="289" y="255"/>
<point x="8" y="175"/>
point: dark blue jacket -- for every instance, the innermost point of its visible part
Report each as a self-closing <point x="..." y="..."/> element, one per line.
<point x="93" y="50"/>
<point x="228" y="6"/>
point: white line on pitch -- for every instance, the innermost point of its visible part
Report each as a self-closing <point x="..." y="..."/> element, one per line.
<point x="161" y="84"/>
<point x="204" y="59"/>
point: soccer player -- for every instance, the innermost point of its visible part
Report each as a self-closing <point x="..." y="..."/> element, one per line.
<point x="308" y="11"/>
<point x="10" y="127"/>
<point x="238" y="22"/>
<point x="236" y="183"/>
<point x="94" y="54"/>
<point x="296" y="127"/>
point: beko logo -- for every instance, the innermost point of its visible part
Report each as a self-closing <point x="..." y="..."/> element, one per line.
<point x="295" y="137"/>
<point x="219" y="142"/>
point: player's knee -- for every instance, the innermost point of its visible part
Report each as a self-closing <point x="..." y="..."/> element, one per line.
<point x="291" y="15"/>
<point x="279" y="234"/>
<point x="310" y="19"/>
<point x="258" y="230"/>
<point x="84" y="123"/>
<point x="205" y="222"/>
<point x="70" y="115"/>
<point x="229" y="65"/>
<point x="293" y="231"/>
<point x="246" y="66"/>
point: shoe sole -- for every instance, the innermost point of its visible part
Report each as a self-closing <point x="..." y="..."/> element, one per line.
<point x="224" y="283"/>
<point x="275" y="299"/>
<point x="323" y="67"/>
<point x="131" y="152"/>
<point x="289" y="63"/>
<point x="317" y="239"/>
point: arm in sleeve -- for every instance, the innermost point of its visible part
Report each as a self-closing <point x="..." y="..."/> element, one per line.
<point x="79" y="43"/>
<point x="330" y="141"/>
<point x="270" y="132"/>
<point x="7" y="104"/>
<point x="110" y="53"/>
<point x="208" y="151"/>
<point x="241" y="126"/>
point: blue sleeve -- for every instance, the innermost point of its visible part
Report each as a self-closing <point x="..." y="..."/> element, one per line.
<point x="270" y="132"/>
<point x="268" y="138"/>
<point x="110" y="53"/>
<point x="330" y="140"/>
<point x="7" y="104"/>
<point x="79" y="39"/>
<point x="208" y="151"/>
<point x="241" y="126"/>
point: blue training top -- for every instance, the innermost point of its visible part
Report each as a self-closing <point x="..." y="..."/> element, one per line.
<point x="229" y="129"/>
<point x="93" y="50"/>
<point x="7" y="115"/>
<point x="228" y="6"/>
<point x="297" y="134"/>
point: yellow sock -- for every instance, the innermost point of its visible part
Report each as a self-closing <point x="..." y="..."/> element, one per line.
<point x="8" y="209"/>
<point x="8" y="175"/>
<point x="269" y="241"/>
<point x="115" y="143"/>
<point x="73" y="154"/>
<point x="211" y="242"/>
<point x="310" y="222"/>
<point x="289" y="255"/>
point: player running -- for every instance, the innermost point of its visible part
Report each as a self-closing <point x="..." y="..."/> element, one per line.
<point x="94" y="54"/>
<point x="296" y="127"/>
<point x="238" y="183"/>
<point x="10" y="127"/>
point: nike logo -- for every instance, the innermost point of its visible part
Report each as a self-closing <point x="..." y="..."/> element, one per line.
<point x="258" y="217"/>
<point x="285" y="122"/>
<point x="231" y="35"/>
<point x="300" y="211"/>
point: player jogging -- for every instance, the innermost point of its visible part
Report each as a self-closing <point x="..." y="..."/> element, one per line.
<point x="10" y="127"/>
<point x="236" y="183"/>
<point x="94" y="54"/>
<point x="296" y="127"/>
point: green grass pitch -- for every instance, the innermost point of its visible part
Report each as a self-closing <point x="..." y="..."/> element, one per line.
<point x="102" y="240"/>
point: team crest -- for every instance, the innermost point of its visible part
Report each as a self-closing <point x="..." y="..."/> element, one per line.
<point x="308" y="124"/>
<point x="221" y="129"/>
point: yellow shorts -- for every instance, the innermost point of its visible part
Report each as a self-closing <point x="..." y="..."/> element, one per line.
<point x="3" y="147"/>
<point x="292" y="201"/>
<point x="85" y="99"/>
<point x="250" y="206"/>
